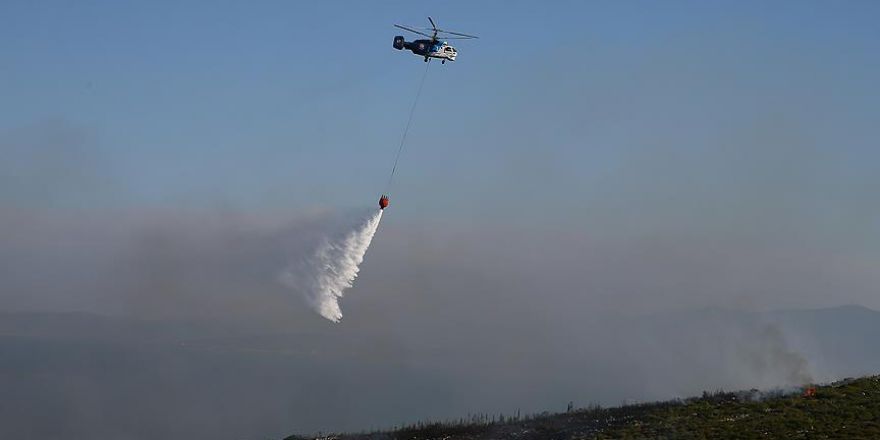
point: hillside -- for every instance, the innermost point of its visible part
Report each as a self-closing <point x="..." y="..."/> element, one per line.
<point x="845" y="409"/>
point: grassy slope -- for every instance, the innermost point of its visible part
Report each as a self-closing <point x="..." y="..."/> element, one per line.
<point x="847" y="409"/>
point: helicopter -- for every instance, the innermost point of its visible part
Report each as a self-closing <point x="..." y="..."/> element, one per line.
<point x="433" y="48"/>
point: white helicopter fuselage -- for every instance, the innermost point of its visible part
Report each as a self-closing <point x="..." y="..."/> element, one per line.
<point x="444" y="52"/>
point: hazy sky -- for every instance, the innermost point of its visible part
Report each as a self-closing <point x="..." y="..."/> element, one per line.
<point x="580" y="160"/>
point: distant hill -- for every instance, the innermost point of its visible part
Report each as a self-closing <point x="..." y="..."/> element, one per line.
<point x="844" y="409"/>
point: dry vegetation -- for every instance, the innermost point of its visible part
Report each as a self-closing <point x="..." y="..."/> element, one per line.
<point x="845" y="409"/>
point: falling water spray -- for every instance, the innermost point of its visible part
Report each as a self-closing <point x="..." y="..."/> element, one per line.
<point x="324" y="275"/>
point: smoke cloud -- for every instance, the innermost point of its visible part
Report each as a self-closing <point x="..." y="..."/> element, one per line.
<point x="323" y="276"/>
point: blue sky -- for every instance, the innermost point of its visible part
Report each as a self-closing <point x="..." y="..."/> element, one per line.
<point x="292" y="101"/>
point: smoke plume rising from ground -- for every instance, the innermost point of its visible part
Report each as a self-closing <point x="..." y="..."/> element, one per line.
<point x="323" y="276"/>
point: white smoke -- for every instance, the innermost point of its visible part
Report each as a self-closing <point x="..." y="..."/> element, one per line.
<point x="332" y="268"/>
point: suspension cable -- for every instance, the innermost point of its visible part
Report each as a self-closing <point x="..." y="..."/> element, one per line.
<point x="412" y="111"/>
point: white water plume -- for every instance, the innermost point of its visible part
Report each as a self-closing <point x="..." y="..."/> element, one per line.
<point x="332" y="268"/>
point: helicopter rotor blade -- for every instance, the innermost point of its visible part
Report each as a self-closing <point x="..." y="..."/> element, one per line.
<point x="412" y="30"/>
<point x="434" y="36"/>
<point x="457" y="33"/>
